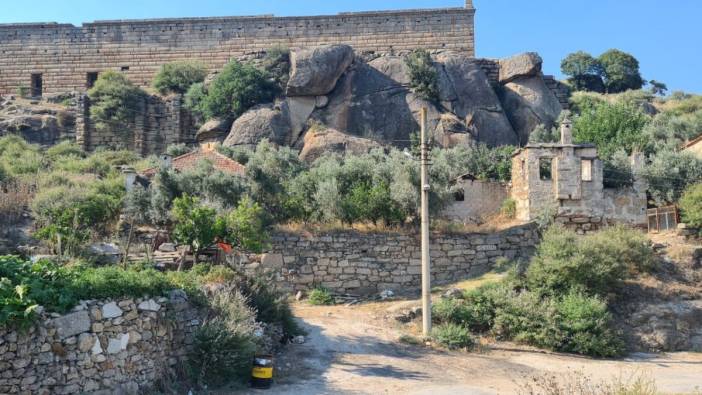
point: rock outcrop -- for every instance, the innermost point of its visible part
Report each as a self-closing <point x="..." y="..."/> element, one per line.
<point x="527" y="64"/>
<point x="318" y="142"/>
<point x="37" y="122"/>
<point x="267" y="121"/>
<point x="213" y="130"/>
<point x="315" y="71"/>
<point x="528" y="102"/>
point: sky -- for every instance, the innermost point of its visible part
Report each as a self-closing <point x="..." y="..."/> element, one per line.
<point x="664" y="35"/>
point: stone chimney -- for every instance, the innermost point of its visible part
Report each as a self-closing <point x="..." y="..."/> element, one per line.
<point x="129" y="178"/>
<point x="566" y="131"/>
<point x="469" y="4"/>
<point x="166" y="161"/>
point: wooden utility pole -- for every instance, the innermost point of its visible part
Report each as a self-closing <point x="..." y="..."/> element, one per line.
<point x="426" y="264"/>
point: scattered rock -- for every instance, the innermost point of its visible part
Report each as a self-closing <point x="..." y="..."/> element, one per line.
<point x="315" y="71"/>
<point x="452" y="293"/>
<point x="321" y="142"/>
<point x="298" y="339"/>
<point x="299" y="296"/>
<point x="386" y="294"/>
<point x="105" y="253"/>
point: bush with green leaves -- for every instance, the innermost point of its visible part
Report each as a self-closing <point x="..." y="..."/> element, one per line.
<point x="595" y="264"/>
<point x="178" y="77"/>
<point x="114" y="103"/>
<point x="669" y="172"/>
<point x="617" y="171"/>
<point x="424" y="79"/>
<point x="320" y="296"/>
<point x="246" y="227"/>
<point x="610" y="126"/>
<point x="277" y="64"/>
<point x="194" y="101"/>
<point x="620" y="71"/>
<point x="452" y="336"/>
<point x="195" y="225"/>
<point x="691" y="206"/>
<point x="237" y="88"/>
<point x="19" y="158"/>
<point x="176" y="150"/>
<point x="224" y="346"/>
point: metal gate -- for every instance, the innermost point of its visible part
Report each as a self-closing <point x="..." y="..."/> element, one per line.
<point x="662" y="218"/>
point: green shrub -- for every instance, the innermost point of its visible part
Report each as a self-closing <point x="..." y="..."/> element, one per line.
<point x="195" y="225"/>
<point x="237" y="88"/>
<point x="586" y="326"/>
<point x="178" y="77"/>
<point x="23" y="91"/>
<point x="617" y="171"/>
<point x="195" y="100"/>
<point x="447" y="310"/>
<point x="176" y="150"/>
<point x="669" y="173"/>
<point x="18" y="157"/>
<point x="595" y="264"/>
<point x="320" y="296"/>
<point x="223" y="347"/>
<point x="508" y="209"/>
<point x="452" y="336"/>
<point x="65" y="148"/>
<point x="277" y="64"/>
<point x="424" y="78"/>
<point x="246" y="227"/>
<point x="115" y="102"/>
<point x="691" y="205"/>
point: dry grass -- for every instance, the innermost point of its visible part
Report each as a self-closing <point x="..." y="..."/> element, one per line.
<point x="579" y="383"/>
<point x="14" y="200"/>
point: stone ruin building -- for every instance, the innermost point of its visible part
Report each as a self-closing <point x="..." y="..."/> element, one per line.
<point x="567" y="180"/>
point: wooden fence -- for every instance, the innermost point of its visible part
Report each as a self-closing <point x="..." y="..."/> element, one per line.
<point x="662" y="218"/>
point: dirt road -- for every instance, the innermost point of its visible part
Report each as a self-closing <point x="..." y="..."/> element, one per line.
<point x="354" y="350"/>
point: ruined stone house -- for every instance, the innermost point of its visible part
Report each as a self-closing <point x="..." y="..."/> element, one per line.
<point x="567" y="180"/>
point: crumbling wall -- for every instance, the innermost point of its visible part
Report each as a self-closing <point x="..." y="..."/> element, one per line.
<point x="121" y="346"/>
<point x="481" y="199"/>
<point x="64" y="54"/>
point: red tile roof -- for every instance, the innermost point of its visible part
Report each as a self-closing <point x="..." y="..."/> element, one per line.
<point x="191" y="159"/>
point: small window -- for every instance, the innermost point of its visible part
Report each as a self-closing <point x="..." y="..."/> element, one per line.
<point x="459" y="195"/>
<point x="125" y="68"/>
<point x="545" y="169"/>
<point x="586" y="169"/>
<point x="90" y="79"/>
<point x="37" y="85"/>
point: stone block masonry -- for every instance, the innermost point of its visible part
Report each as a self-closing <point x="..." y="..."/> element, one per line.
<point x="65" y="57"/>
<point x="366" y="263"/>
<point x="115" y="346"/>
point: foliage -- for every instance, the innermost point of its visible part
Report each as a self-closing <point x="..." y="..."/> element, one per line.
<point x="178" y="77"/>
<point x="508" y="209"/>
<point x="277" y="64"/>
<point x="584" y="70"/>
<point x="617" y="171"/>
<point x="195" y="225"/>
<point x="194" y="100"/>
<point x="424" y="79"/>
<point x="320" y="296"/>
<point x="691" y="205"/>
<point x="658" y="88"/>
<point x="18" y="157"/>
<point x="595" y="264"/>
<point x="176" y="150"/>
<point x="115" y="102"/>
<point x="620" y="71"/>
<point x="237" y="88"/>
<point x="223" y="346"/>
<point x="669" y="173"/>
<point x="610" y="126"/>
<point x="246" y="227"/>
<point x="541" y="134"/>
<point x="452" y="336"/>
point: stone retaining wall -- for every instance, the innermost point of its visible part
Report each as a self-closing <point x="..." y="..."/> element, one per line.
<point x="64" y="54"/>
<point x="106" y="347"/>
<point x="364" y="263"/>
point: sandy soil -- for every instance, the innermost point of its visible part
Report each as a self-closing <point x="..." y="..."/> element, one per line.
<point x="355" y="350"/>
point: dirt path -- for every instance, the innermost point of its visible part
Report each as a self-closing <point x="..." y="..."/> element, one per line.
<point x="354" y="350"/>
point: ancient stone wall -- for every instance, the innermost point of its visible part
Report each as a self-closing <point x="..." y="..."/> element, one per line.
<point x="158" y="122"/>
<point x="355" y="262"/>
<point x="64" y="54"/>
<point x="121" y="346"/>
<point x="561" y="90"/>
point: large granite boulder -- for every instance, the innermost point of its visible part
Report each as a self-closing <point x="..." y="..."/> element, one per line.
<point x="267" y="121"/>
<point x="528" y="102"/>
<point x="394" y="67"/>
<point x="315" y="71"/>
<point x="213" y="130"/>
<point x="318" y="141"/>
<point x="367" y="103"/>
<point x="464" y="89"/>
<point x="523" y="65"/>
<point x="451" y="131"/>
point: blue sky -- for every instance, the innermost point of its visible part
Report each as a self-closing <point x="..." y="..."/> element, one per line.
<point x="665" y="35"/>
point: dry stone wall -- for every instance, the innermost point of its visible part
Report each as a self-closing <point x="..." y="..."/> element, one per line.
<point x="365" y="263"/>
<point x="118" y="346"/>
<point x="64" y="54"/>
